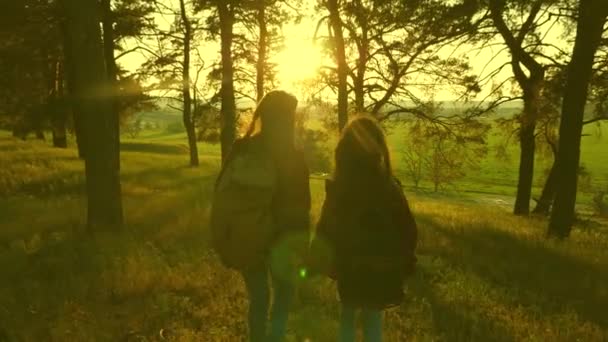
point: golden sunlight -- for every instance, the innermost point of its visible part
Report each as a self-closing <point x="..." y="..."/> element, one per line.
<point x="298" y="61"/>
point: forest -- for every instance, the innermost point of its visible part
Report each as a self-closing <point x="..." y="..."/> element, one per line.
<point x="116" y="117"/>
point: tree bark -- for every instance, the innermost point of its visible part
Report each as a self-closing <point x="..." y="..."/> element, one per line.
<point x="94" y="107"/>
<point x="112" y="72"/>
<point x="262" y="47"/>
<point x="543" y="207"/>
<point x="78" y="131"/>
<point x="591" y="20"/>
<point x="228" y="109"/>
<point x="340" y="55"/>
<point x="36" y="121"/>
<point x="527" y="142"/>
<point x="532" y="87"/>
<point x="70" y="99"/>
<point x="186" y="96"/>
<point x="58" y="110"/>
<point x="363" y="50"/>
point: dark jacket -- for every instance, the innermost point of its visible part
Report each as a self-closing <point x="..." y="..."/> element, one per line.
<point x="353" y="223"/>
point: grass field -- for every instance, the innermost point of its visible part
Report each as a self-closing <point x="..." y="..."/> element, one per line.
<point x="499" y="176"/>
<point x="484" y="275"/>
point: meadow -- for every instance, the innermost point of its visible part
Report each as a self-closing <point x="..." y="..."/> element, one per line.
<point x="483" y="274"/>
<point x="496" y="176"/>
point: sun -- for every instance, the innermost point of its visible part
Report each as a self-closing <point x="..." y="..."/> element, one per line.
<point x="299" y="61"/>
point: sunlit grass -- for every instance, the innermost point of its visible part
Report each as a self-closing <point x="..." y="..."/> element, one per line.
<point x="499" y="176"/>
<point x="483" y="275"/>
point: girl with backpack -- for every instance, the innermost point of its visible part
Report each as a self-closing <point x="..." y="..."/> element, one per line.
<point x="262" y="199"/>
<point x="367" y="225"/>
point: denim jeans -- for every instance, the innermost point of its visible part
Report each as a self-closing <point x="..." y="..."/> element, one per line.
<point x="372" y="325"/>
<point x="258" y="288"/>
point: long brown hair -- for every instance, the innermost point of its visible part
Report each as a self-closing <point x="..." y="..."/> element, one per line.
<point x="275" y="112"/>
<point x="362" y="157"/>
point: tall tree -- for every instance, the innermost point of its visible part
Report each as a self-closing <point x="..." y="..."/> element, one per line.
<point x="531" y="85"/>
<point x="57" y="107"/>
<point x="262" y="48"/>
<point x="589" y="30"/>
<point x="86" y="55"/>
<point x="549" y="123"/>
<point x="71" y="82"/>
<point x="337" y="37"/>
<point x="107" y="21"/>
<point x="30" y="56"/>
<point x="388" y="44"/>
<point x="257" y="37"/>
<point x="187" y="98"/>
<point x="171" y="62"/>
<point x="228" y="106"/>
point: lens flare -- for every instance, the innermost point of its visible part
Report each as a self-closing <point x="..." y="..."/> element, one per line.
<point x="303" y="272"/>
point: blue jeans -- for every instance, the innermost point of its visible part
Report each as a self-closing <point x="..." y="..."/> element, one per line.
<point x="258" y="288"/>
<point x="372" y="325"/>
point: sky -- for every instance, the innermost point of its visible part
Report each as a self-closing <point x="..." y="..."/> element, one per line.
<point x="302" y="57"/>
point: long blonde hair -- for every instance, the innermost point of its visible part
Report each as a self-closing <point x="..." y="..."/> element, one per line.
<point x="362" y="157"/>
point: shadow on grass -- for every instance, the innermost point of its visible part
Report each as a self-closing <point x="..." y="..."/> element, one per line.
<point x="169" y="230"/>
<point x="538" y="275"/>
<point x="153" y="148"/>
<point x="454" y="321"/>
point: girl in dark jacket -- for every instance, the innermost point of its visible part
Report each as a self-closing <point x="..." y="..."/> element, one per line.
<point x="274" y="120"/>
<point x="367" y="225"/>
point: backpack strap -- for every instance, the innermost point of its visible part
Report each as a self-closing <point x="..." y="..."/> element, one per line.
<point x="237" y="147"/>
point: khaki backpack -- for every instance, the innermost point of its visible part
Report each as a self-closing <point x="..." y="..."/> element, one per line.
<point x="242" y="225"/>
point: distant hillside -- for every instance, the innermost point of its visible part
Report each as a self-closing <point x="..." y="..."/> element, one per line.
<point x="161" y="116"/>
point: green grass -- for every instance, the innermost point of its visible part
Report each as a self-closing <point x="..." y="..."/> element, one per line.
<point x="499" y="176"/>
<point x="484" y="275"/>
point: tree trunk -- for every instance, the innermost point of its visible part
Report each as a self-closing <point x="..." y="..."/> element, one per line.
<point x="187" y="110"/>
<point x="60" y="139"/>
<point x="78" y="131"/>
<point x="526" y="169"/>
<point x="592" y="16"/>
<point x="70" y="100"/>
<point x="532" y="87"/>
<point x="340" y="55"/>
<point x="112" y="72"/>
<point x="58" y="110"/>
<point x="543" y="206"/>
<point x="86" y="55"/>
<point x="228" y="110"/>
<point x="36" y="120"/>
<point x="363" y="50"/>
<point x="527" y="142"/>
<point x="262" y="46"/>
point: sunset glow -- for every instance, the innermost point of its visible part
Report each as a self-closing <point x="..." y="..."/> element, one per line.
<point x="298" y="61"/>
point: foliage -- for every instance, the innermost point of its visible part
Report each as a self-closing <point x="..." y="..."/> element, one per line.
<point x="246" y="44"/>
<point x="208" y="123"/>
<point x="443" y="153"/>
<point x="600" y="206"/>
<point x="174" y="127"/>
<point x="415" y="159"/>
<point x="30" y="41"/>
<point x="390" y="41"/>
<point x="134" y="126"/>
<point x="313" y="140"/>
